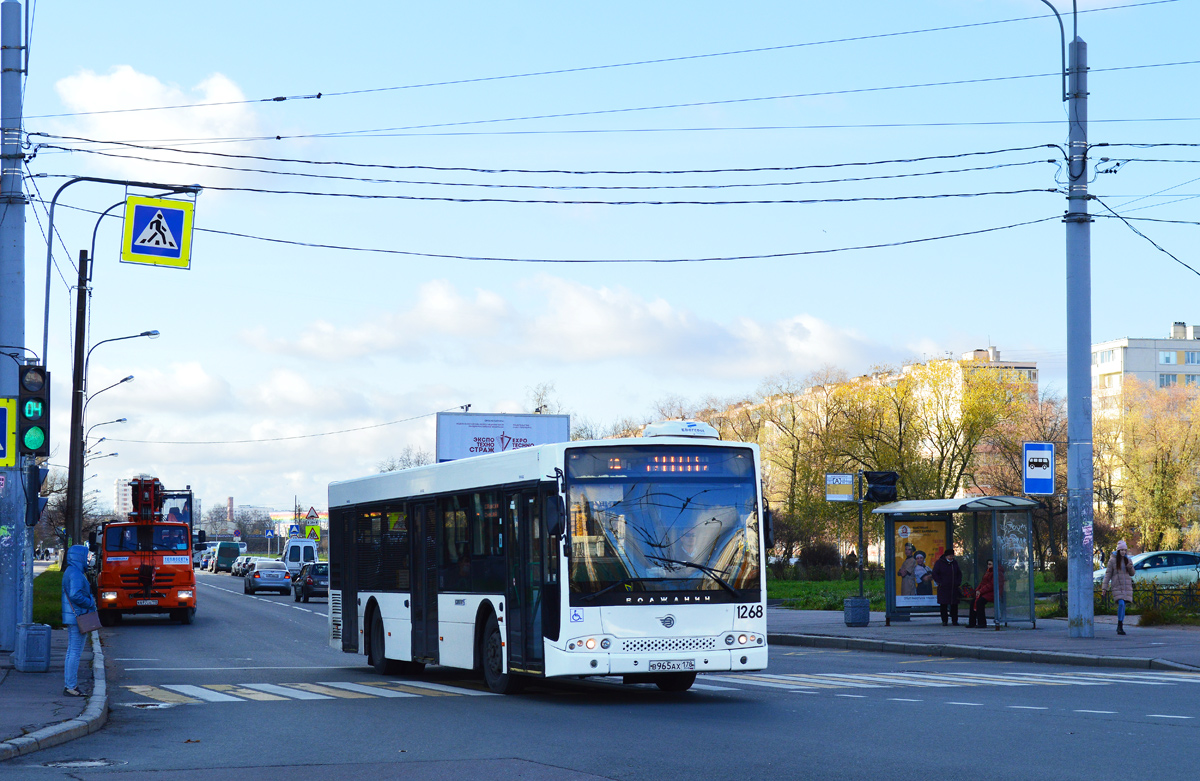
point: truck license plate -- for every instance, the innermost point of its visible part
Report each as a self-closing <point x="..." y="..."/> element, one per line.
<point x="147" y="601"/>
<point x="676" y="665"/>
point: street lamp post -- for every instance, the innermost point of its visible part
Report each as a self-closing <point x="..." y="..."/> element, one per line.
<point x="79" y="402"/>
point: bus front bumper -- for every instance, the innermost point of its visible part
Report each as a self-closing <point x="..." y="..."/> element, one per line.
<point x="588" y="662"/>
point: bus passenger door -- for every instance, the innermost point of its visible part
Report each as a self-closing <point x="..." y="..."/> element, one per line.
<point x="424" y="584"/>
<point x="523" y="585"/>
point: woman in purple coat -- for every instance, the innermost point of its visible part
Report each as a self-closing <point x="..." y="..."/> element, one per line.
<point x="948" y="577"/>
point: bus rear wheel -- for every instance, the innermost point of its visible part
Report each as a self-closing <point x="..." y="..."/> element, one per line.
<point x="675" y="682"/>
<point x="494" y="672"/>
<point x="376" y="652"/>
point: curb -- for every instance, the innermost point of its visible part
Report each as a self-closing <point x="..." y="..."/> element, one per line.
<point x="978" y="652"/>
<point x="93" y="717"/>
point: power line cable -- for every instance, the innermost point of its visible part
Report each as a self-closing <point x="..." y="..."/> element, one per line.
<point x="581" y="69"/>
<point x="305" y="174"/>
<point x="498" y="170"/>
<point x="1156" y="245"/>
<point x="445" y="256"/>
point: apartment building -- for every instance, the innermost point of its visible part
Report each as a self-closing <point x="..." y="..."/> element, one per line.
<point x="1163" y="363"/>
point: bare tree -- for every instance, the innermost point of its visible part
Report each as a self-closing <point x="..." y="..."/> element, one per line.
<point x="411" y="456"/>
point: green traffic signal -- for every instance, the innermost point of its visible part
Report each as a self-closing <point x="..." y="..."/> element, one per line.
<point x="33" y="438"/>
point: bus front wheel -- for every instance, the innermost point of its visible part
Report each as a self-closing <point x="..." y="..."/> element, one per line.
<point x="675" y="682"/>
<point x="376" y="653"/>
<point x="494" y="672"/>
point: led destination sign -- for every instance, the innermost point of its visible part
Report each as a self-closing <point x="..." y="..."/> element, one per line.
<point x="701" y="462"/>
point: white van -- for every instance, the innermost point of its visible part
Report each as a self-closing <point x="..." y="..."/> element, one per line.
<point x="297" y="552"/>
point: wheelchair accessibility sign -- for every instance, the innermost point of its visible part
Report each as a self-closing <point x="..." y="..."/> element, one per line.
<point x="158" y="232"/>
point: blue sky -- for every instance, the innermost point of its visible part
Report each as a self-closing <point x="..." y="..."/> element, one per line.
<point x="263" y="340"/>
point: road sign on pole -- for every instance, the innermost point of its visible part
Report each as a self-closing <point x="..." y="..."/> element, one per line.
<point x="1038" y="467"/>
<point x="313" y="532"/>
<point x="839" y="488"/>
<point x="8" y="432"/>
<point x="270" y="533"/>
<point x="158" y="232"/>
<point x="312" y="514"/>
<point x="294" y="530"/>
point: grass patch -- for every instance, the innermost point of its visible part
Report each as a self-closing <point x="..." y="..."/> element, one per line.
<point x="1167" y="616"/>
<point x="823" y="594"/>
<point x="47" y="597"/>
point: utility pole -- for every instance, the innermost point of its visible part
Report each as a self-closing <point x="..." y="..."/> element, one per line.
<point x="15" y="560"/>
<point x="1080" y="608"/>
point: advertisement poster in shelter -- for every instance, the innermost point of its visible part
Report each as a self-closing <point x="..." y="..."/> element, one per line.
<point x="918" y="545"/>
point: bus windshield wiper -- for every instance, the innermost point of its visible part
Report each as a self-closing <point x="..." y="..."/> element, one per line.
<point x="707" y="570"/>
<point x="618" y="584"/>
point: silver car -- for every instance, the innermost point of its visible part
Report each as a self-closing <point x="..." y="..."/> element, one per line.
<point x="1163" y="567"/>
<point x="266" y="575"/>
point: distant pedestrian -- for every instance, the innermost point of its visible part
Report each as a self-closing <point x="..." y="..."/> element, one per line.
<point x="948" y="577"/>
<point x="851" y="560"/>
<point x="76" y="599"/>
<point x="1119" y="577"/>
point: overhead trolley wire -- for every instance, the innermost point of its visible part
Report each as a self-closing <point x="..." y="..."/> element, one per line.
<point x="489" y="185"/>
<point x="588" y="172"/>
<point x="586" y="68"/>
<point x="1155" y="244"/>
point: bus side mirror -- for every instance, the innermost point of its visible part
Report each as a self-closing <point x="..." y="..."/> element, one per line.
<point x="202" y="537"/>
<point x="92" y="540"/>
<point x="555" y="516"/>
<point x="768" y="528"/>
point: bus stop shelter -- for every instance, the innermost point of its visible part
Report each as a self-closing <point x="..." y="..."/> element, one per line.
<point x="997" y="528"/>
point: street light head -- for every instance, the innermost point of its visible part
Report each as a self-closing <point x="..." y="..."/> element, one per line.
<point x="127" y="379"/>
<point x="151" y="334"/>
<point x="121" y="420"/>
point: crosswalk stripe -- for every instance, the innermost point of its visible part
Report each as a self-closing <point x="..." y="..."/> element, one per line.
<point x="894" y="679"/>
<point x="162" y="695"/>
<point x="200" y="693"/>
<point x="249" y="694"/>
<point x="393" y="686"/>
<point x="371" y="691"/>
<point x="753" y="681"/>
<point x="1157" y="678"/>
<point x="318" y="689"/>
<point x="823" y="680"/>
<point x="966" y="680"/>
<point x="443" y="688"/>
<point x="708" y="688"/>
<point x="291" y="694"/>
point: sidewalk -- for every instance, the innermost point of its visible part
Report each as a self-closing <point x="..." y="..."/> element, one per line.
<point x="1158" y="648"/>
<point x="34" y="713"/>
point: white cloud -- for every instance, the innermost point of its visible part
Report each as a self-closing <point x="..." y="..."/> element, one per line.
<point x="125" y="88"/>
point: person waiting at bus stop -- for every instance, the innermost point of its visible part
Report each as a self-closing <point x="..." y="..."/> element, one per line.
<point x="948" y="577"/>
<point x="979" y="600"/>
<point x="76" y="599"/>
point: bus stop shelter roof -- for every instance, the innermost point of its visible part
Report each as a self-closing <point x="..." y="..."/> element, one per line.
<point x="963" y="505"/>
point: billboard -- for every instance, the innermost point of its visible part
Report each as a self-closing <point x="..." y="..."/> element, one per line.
<point x="918" y="545"/>
<point x="466" y="434"/>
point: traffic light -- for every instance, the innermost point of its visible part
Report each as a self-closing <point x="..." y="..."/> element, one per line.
<point x="33" y="411"/>
<point x="881" y="486"/>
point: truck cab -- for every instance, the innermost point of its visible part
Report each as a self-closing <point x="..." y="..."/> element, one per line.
<point x="144" y="564"/>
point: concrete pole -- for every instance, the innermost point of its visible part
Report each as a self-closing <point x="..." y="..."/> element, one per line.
<point x="13" y="536"/>
<point x="1080" y="610"/>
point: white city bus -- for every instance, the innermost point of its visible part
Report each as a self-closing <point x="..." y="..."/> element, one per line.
<point x="634" y="557"/>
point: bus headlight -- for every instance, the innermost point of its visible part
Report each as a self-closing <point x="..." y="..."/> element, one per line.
<point x="741" y="639"/>
<point x="591" y="643"/>
<point x="605" y="643"/>
<point x="728" y="639"/>
<point x="108" y="595"/>
<point x="186" y="594"/>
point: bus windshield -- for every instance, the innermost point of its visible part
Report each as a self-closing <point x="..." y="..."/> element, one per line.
<point x="654" y="519"/>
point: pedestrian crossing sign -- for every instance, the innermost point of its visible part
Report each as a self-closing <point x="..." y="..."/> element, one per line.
<point x="158" y="232"/>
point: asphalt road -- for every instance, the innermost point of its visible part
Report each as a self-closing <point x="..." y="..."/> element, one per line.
<point x="252" y="686"/>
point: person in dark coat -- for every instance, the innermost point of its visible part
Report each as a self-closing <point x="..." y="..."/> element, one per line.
<point x="948" y="577"/>
<point x="982" y="595"/>
<point x="76" y="599"/>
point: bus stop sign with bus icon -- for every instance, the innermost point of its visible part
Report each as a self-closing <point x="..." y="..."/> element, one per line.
<point x="1038" y="468"/>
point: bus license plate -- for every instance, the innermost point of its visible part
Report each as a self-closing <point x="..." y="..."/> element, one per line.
<point x="147" y="601"/>
<point x="676" y="665"/>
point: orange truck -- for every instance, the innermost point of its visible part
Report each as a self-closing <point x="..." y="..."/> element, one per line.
<point x="144" y="564"/>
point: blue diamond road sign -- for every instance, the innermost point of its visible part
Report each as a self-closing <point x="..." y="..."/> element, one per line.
<point x="1039" y="468"/>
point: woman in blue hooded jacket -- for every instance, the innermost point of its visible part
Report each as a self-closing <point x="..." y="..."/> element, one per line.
<point x="76" y="599"/>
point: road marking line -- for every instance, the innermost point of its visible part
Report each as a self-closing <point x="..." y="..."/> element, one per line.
<point x="1029" y="707"/>
<point x="1104" y="712"/>
<point x="855" y="696"/>
<point x="1165" y="716"/>
<point x="133" y="659"/>
<point x="1158" y="679"/>
<point x="249" y="694"/>
<point x="292" y="694"/>
<point x="964" y="703"/>
<point x="162" y="695"/>
<point x="895" y="678"/>
<point x="817" y="680"/>
<point x="443" y="688"/>
<point x="316" y="689"/>
<point x="904" y="699"/>
<point x="201" y="693"/>
<point x="768" y="684"/>
<point x="706" y="687"/>
<point x="371" y="691"/>
<point x="969" y="679"/>
<point x="411" y="690"/>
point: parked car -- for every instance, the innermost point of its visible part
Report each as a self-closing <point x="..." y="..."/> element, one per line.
<point x="313" y="581"/>
<point x="266" y="575"/>
<point x="239" y="566"/>
<point x="206" y="559"/>
<point x="1165" y="568"/>
<point x="297" y="552"/>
